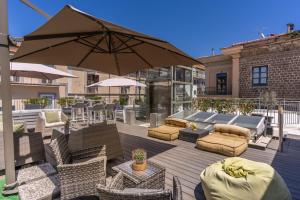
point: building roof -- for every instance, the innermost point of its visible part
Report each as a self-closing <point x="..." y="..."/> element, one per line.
<point x="268" y="39"/>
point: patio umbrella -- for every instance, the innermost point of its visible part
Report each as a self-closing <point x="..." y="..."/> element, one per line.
<point x="77" y="39"/>
<point x="117" y="82"/>
<point x="74" y="38"/>
<point x="37" y="71"/>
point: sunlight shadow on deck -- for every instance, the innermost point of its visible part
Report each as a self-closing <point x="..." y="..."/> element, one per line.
<point x="131" y="142"/>
<point x="287" y="164"/>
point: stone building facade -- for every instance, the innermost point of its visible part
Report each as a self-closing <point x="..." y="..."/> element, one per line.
<point x="253" y="67"/>
<point x="283" y="73"/>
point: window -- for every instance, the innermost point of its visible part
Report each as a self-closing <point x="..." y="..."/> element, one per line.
<point x="92" y="78"/>
<point x="260" y="76"/>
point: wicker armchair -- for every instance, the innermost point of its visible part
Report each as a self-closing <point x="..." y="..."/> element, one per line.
<point x="47" y="128"/>
<point x="79" y="172"/>
<point x="115" y="191"/>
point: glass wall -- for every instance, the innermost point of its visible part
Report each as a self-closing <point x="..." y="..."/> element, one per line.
<point x="182" y="86"/>
<point x="169" y="89"/>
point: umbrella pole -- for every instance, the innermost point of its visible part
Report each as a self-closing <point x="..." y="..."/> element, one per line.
<point x="6" y="102"/>
<point x="108" y="91"/>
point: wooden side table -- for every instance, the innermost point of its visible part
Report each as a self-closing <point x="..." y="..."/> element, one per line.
<point x="189" y="135"/>
<point x="153" y="177"/>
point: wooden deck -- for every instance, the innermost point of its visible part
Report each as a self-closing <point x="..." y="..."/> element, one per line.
<point x="183" y="160"/>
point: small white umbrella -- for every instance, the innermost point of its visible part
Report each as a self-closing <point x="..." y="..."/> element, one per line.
<point x="117" y="82"/>
<point x="37" y="71"/>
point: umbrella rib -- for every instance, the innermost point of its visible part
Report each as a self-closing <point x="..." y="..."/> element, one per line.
<point x="92" y="49"/>
<point x="119" y="46"/>
<point x="78" y="34"/>
<point x="116" y="58"/>
<point x="62" y="43"/>
<point x="141" y="57"/>
<point x="133" y="45"/>
<point x="62" y="35"/>
<point x="163" y="48"/>
<point x="91" y="45"/>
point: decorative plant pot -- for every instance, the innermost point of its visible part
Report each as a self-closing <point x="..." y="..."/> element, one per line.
<point x="139" y="166"/>
<point x="139" y="157"/>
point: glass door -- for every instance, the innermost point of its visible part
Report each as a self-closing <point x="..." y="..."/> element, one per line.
<point x="221" y="88"/>
<point x="51" y="98"/>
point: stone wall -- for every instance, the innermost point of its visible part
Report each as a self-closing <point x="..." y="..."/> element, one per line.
<point x="283" y="72"/>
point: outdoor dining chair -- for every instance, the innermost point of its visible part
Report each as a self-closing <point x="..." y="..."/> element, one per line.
<point x="110" y="111"/>
<point x="96" y="112"/>
<point x="78" y="111"/>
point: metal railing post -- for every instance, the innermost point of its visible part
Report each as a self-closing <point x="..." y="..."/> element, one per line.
<point x="280" y="120"/>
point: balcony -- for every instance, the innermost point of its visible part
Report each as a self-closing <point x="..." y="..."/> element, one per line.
<point x="213" y="91"/>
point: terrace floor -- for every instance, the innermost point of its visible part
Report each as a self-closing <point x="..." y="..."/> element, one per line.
<point x="182" y="159"/>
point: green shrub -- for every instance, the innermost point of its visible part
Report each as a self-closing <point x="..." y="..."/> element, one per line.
<point x="96" y="99"/>
<point x="246" y="107"/>
<point x="219" y="105"/>
<point x="42" y="101"/>
<point x="203" y="104"/>
<point x="66" y="101"/>
<point x="123" y="100"/>
<point x="229" y="106"/>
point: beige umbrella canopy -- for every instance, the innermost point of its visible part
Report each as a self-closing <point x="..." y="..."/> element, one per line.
<point x="75" y="38"/>
<point x="37" y="71"/>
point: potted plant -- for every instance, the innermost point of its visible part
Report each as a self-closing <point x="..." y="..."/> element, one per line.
<point x="193" y="126"/>
<point x="139" y="157"/>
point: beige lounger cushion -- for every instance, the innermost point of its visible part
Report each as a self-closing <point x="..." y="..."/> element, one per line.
<point x="223" y="144"/>
<point x="164" y="132"/>
<point x="232" y="129"/>
<point x="176" y="122"/>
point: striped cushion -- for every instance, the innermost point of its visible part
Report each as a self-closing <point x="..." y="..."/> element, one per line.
<point x="60" y="150"/>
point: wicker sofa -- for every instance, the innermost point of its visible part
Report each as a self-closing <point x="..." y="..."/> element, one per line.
<point x="229" y="140"/>
<point x="79" y="172"/>
<point x="46" y="125"/>
<point x="168" y="131"/>
<point x="115" y="190"/>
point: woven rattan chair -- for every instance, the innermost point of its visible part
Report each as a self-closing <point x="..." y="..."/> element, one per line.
<point x="115" y="191"/>
<point x="79" y="172"/>
<point x="47" y="128"/>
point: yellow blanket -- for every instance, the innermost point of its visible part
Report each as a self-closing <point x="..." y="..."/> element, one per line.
<point x="236" y="169"/>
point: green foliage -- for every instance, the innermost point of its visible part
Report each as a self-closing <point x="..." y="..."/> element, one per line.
<point x="42" y="101"/>
<point x="246" y="107"/>
<point x="229" y="106"/>
<point x="203" y="104"/>
<point x="123" y="100"/>
<point x="139" y="155"/>
<point x="219" y="105"/>
<point x="66" y="101"/>
<point x="96" y="99"/>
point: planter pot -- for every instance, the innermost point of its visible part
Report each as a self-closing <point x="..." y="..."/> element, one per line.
<point x="139" y="166"/>
<point x="32" y="106"/>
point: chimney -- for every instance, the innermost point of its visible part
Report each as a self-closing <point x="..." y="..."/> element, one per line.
<point x="212" y="51"/>
<point x="290" y="27"/>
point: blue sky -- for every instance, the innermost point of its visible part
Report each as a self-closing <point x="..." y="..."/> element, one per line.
<point x="195" y="26"/>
